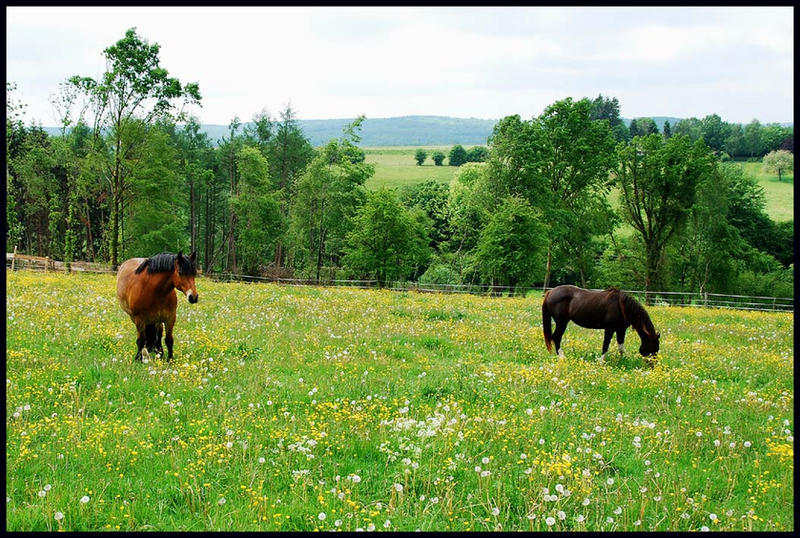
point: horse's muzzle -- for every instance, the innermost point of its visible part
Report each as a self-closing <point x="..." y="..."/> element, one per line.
<point x="193" y="299"/>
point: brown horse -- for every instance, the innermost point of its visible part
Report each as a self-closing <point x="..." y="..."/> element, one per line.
<point x="149" y="298"/>
<point x="611" y="310"/>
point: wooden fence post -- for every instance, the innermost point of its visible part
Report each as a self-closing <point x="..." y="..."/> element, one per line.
<point x="14" y="258"/>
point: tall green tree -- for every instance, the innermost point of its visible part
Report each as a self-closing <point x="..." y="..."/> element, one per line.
<point x="134" y="86"/>
<point x="431" y="197"/>
<point x="658" y="179"/>
<point x="154" y="204"/>
<point x="387" y="241"/>
<point x="259" y="218"/>
<point x="327" y="195"/>
<point x="289" y="154"/>
<point x="604" y="108"/>
<point x="714" y="132"/>
<point x="512" y="244"/>
<point x="560" y="162"/>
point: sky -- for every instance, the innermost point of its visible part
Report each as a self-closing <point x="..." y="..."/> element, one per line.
<point x="462" y="62"/>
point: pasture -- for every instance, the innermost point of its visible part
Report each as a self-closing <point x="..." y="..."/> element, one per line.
<point x="396" y="167"/>
<point x="340" y="409"/>
<point x="778" y="194"/>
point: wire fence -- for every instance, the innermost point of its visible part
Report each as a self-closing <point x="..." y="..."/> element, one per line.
<point x="16" y="261"/>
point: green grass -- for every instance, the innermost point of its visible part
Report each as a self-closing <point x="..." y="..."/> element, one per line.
<point x="279" y="396"/>
<point x="396" y="166"/>
<point x="779" y="194"/>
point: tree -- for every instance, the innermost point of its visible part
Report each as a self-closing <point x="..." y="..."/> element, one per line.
<point x="289" y="154"/>
<point x="458" y="155"/>
<point x="133" y="86"/>
<point x="714" y="132"/>
<point x="559" y="162"/>
<point x="658" y="180"/>
<point x="438" y="158"/>
<point x="477" y="154"/>
<point x="643" y="127"/>
<point x="431" y="197"/>
<point x="753" y="142"/>
<point x="779" y="161"/>
<point x="327" y="195"/>
<point x="604" y="108"/>
<point x="690" y="127"/>
<point x="667" y="129"/>
<point x="154" y="204"/>
<point x="386" y="240"/>
<point x="512" y="244"/>
<point x="259" y="218"/>
<point x="420" y="156"/>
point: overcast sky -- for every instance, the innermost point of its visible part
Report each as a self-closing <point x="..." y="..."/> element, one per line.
<point x="463" y="62"/>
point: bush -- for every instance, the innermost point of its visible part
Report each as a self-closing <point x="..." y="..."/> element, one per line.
<point x="458" y="155"/>
<point x="439" y="273"/>
<point x="478" y="154"/>
<point x="420" y="156"/>
<point x="438" y="158"/>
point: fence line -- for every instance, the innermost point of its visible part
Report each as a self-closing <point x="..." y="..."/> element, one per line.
<point x="15" y="261"/>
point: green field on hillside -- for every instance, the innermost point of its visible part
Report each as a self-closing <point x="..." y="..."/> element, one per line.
<point x="396" y="167"/>
<point x="779" y="194"/>
<point x="291" y="408"/>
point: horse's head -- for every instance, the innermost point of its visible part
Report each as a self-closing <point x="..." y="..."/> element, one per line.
<point x="183" y="276"/>
<point x="650" y="345"/>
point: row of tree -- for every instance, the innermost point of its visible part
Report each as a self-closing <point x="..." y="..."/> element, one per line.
<point x="728" y="140"/>
<point x="124" y="179"/>
<point x="458" y="155"/>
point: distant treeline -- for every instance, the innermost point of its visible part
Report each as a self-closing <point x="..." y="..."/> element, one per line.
<point x="737" y="140"/>
<point x="130" y="176"/>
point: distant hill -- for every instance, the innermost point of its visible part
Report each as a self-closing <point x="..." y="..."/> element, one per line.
<point x="399" y="131"/>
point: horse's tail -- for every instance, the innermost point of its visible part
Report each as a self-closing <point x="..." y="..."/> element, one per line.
<point x="546" y="327"/>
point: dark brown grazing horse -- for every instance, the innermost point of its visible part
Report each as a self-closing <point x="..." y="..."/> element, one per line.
<point x="146" y="291"/>
<point x="611" y="310"/>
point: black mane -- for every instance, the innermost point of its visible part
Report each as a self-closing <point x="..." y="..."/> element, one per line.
<point x="636" y="314"/>
<point x="165" y="262"/>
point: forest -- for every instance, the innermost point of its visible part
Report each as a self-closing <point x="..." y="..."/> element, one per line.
<point x="573" y="195"/>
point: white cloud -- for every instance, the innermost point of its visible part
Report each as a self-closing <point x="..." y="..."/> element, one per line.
<point x="481" y="62"/>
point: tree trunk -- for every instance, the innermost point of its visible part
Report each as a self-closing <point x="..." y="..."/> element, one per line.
<point x="116" y="203"/>
<point x="547" y="267"/>
<point x="192" y="223"/>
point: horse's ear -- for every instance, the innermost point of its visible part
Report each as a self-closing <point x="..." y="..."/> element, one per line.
<point x="193" y="256"/>
<point x="180" y="254"/>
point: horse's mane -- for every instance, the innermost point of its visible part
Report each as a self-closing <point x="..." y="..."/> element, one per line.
<point x="636" y="313"/>
<point x="165" y="262"/>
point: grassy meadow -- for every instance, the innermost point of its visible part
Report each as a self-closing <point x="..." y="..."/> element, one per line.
<point x="396" y="166"/>
<point x="339" y="409"/>
<point x="779" y="194"/>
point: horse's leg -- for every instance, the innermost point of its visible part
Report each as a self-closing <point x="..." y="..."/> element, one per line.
<point x="159" y="335"/>
<point x="168" y="337"/>
<point x="150" y="337"/>
<point x="561" y="326"/>
<point x="621" y="339"/>
<point x="140" y="340"/>
<point x="606" y="341"/>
